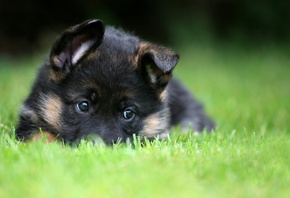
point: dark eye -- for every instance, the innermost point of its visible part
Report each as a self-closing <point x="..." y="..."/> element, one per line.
<point x="128" y="114"/>
<point x="83" y="106"/>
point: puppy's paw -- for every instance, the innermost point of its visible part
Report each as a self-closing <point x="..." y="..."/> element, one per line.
<point x="45" y="136"/>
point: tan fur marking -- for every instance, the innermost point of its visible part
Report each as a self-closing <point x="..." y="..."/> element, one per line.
<point x="156" y="125"/>
<point x="56" y="61"/>
<point x="52" y="75"/>
<point x="134" y="60"/>
<point x="165" y="78"/>
<point x="92" y="85"/>
<point x="94" y="54"/>
<point x="55" y="76"/>
<point x="52" y="108"/>
<point x="154" y="49"/>
<point x="143" y="48"/>
<point x="45" y="136"/>
<point x="163" y="96"/>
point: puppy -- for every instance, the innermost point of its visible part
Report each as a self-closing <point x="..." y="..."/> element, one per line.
<point x="108" y="83"/>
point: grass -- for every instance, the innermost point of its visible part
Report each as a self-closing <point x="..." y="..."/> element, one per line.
<point x="247" y="93"/>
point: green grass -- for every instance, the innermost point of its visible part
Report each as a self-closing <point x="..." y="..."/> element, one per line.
<point x="246" y="92"/>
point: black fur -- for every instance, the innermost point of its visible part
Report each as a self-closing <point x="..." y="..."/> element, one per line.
<point x="115" y="73"/>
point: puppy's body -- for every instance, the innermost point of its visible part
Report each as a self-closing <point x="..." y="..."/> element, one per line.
<point x="109" y="83"/>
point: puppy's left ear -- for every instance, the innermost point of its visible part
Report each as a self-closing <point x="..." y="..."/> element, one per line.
<point x="156" y="63"/>
<point x="74" y="44"/>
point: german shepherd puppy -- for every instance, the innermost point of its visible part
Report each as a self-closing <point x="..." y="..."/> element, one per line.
<point x="109" y="83"/>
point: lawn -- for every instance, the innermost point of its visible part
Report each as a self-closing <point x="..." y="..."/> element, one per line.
<point x="245" y="90"/>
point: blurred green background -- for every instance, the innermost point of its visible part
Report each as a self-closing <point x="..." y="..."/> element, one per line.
<point x="30" y="25"/>
<point x="234" y="55"/>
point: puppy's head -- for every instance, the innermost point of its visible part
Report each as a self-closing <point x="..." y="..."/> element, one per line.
<point x="105" y="82"/>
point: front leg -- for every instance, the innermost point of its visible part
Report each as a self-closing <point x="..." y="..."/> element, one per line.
<point x="28" y="128"/>
<point x="185" y="110"/>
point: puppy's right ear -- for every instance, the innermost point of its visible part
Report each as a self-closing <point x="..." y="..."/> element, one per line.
<point x="74" y="44"/>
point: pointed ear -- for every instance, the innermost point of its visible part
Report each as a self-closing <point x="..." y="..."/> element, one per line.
<point x="75" y="43"/>
<point x="157" y="63"/>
